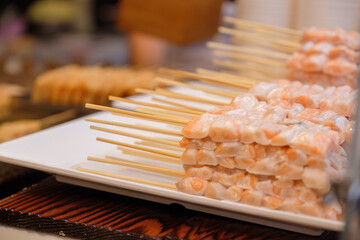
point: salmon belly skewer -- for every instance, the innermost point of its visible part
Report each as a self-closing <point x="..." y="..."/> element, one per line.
<point x="279" y="155"/>
<point x="327" y="57"/>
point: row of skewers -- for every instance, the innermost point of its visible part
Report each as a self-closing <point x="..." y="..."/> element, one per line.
<point x="281" y="145"/>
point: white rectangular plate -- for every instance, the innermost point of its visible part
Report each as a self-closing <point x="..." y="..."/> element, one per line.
<point x="61" y="149"/>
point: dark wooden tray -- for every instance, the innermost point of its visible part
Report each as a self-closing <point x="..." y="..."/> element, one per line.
<point x="78" y="212"/>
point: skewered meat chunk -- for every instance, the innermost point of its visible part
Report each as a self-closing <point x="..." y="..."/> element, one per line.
<point x="327" y="58"/>
<point x="215" y="190"/>
<point x="340" y="100"/>
<point x="335" y="36"/>
<point x="192" y="185"/>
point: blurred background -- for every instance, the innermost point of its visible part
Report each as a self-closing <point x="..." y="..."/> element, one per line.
<point x="37" y="35"/>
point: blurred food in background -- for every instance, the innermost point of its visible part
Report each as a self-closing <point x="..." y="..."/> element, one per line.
<point x="75" y="85"/>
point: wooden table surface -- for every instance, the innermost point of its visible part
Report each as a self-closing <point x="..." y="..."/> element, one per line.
<point x="72" y="211"/>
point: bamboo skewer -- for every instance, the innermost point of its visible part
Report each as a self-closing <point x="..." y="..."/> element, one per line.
<point x="264" y="26"/>
<point x="229" y="76"/>
<point x="266" y="32"/>
<point x="136" y="126"/>
<point x="201" y="111"/>
<point x="139" y="115"/>
<point x="261" y="43"/>
<point x="207" y="90"/>
<point x="174" y="155"/>
<point x="158" y="145"/>
<point x="159" y="130"/>
<point x="179" y="96"/>
<point x="132" y="135"/>
<point x="127" y="178"/>
<point x="247" y="35"/>
<point x="113" y="98"/>
<point x="166" y="171"/>
<point x="239" y="66"/>
<point x="149" y="155"/>
<point x="165" y="113"/>
<point x="207" y="79"/>
<point x="255" y="59"/>
<point x="151" y="118"/>
<point x="248" y="50"/>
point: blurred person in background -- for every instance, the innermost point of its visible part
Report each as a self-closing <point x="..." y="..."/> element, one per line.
<point x="152" y="25"/>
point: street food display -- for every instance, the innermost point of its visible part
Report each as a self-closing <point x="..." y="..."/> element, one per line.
<point x="278" y="141"/>
<point x="281" y="144"/>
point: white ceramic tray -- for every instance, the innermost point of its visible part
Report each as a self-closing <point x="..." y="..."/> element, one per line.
<point x="61" y="149"/>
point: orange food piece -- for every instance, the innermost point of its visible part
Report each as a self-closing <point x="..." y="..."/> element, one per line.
<point x="296" y="157"/>
<point x="197" y="184"/>
<point x="318" y="144"/>
<point x="205" y="157"/>
<point x="290" y="171"/>
<point x="340" y="67"/>
<point x="243" y="163"/>
<point x="187" y="130"/>
<point x="233" y="193"/>
<point x="309" y="113"/>
<point x="252" y="197"/>
<point x="304" y="100"/>
<point x="312" y="209"/>
<point x="276" y="190"/>
<point x="296" y="61"/>
<point x="253" y="181"/>
<point x="271" y="132"/>
<point x="215" y="190"/>
<point x="272" y="202"/>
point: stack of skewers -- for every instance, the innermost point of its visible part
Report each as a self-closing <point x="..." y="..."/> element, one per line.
<point x="281" y="145"/>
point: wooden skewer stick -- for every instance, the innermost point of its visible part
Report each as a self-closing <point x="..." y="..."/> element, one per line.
<point x="239" y="66"/>
<point x="113" y="98"/>
<point x="250" y="58"/>
<point x="159" y="145"/>
<point x="135" y="114"/>
<point x="201" y="111"/>
<point x="193" y="99"/>
<point x="266" y="32"/>
<point x="207" y="90"/>
<point x="242" y="34"/>
<point x="261" y="43"/>
<point x="165" y="113"/>
<point x="131" y="179"/>
<point x="248" y="50"/>
<point x="200" y="77"/>
<point x="180" y="96"/>
<point x="149" y="119"/>
<point x="265" y="26"/>
<point x="232" y="76"/>
<point x="132" y="135"/>
<point x="166" y="171"/>
<point x="148" y="155"/>
<point x="136" y="126"/>
<point x="174" y="155"/>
